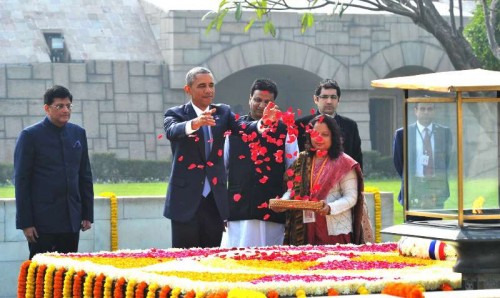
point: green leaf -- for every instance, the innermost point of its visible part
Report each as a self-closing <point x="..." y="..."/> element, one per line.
<point x="239" y="12"/>
<point x="211" y="25"/>
<point x="249" y="25"/>
<point x="306" y="22"/>
<point x="272" y="29"/>
<point x="222" y="3"/>
<point x="208" y="14"/>
<point x="220" y="18"/>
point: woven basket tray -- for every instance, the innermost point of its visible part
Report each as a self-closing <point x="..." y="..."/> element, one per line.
<point x="296" y="204"/>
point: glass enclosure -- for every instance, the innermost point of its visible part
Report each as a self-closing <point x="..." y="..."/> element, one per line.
<point x="432" y="159"/>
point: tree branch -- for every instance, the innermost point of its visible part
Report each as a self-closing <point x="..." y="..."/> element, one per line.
<point x="490" y="20"/>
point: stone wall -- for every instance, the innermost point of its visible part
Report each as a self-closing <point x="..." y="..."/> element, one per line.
<point x="141" y="225"/>
<point x="119" y="103"/>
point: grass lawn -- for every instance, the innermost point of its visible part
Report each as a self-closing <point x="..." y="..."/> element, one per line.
<point x="160" y="188"/>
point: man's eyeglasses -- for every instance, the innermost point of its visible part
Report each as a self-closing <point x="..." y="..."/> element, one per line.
<point x="333" y="96"/>
<point x="60" y="106"/>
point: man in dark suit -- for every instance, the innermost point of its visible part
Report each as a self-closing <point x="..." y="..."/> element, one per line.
<point x="197" y="201"/>
<point x="327" y="99"/>
<point x="429" y="149"/>
<point x="53" y="179"/>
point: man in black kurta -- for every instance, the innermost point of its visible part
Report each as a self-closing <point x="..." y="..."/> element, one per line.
<point x="53" y="179"/>
<point x="255" y="174"/>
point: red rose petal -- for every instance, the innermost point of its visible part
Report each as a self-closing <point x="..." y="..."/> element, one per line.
<point x="214" y="181"/>
<point x="160" y="136"/>
<point x="192" y="166"/>
<point x="236" y="197"/>
<point x="266" y="217"/>
<point x="181" y="158"/>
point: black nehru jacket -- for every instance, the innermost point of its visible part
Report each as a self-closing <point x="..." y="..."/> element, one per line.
<point x="244" y="179"/>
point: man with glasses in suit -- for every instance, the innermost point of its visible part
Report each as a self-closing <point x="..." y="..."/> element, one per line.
<point x="327" y="99"/>
<point x="53" y="179"/>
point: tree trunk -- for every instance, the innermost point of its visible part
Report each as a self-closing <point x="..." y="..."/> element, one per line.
<point x="454" y="43"/>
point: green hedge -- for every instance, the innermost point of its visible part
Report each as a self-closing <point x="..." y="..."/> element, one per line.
<point x="376" y="166"/>
<point x="107" y="168"/>
<point x="6" y="173"/>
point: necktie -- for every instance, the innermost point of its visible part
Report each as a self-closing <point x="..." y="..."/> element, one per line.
<point x="429" y="168"/>
<point x="208" y="145"/>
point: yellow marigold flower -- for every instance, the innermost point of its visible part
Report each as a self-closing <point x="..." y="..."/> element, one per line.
<point x="363" y="291"/>
<point x="300" y="294"/>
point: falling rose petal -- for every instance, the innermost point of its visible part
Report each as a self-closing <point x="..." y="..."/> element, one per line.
<point x="214" y="181"/>
<point x="268" y="168"/>
<point x="210" y="164"/>
<point x="227" y="133"/>
<point x="298" y="179"/>
<point x="241" y="156"/>
<point x="313" y="111"/>
<point x="181" y="158"/>
<point x="243" y="125"/>
<point x="321" y="153"/>
<point x="289" y="184"/>
<point x="299" y="112"/>
<point x="196" y="139"/>
<point x="191" y="166"/>
<point x="263" y="205"/>
<point x="263" y="180"/>
<point x="200" y="166"/>
<point x="289" y="172"/>
<point x="258" y="170"/>
<point x="288" y="155"/>
<point x="236" y="197"/>
<point x="236" y="116"/>
<point x="219" y="153"/>
<point x="160" y="136"/>
<point x="266" y="217"/>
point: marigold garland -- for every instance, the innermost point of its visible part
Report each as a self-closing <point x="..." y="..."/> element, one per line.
<point x="164" y="292"/>
<point x="98" y="286"/>
<point x="21" y="280"/>
<point x="108" y="285"/>
<point x="175" y="293"/>
<point x="130" y="290"/>
<point x="377" y="202"/>
<point x="190" y="294"/>
<point x="152" y="290"/>
<point x="30" y="280"/>
<point x="78" y="284"/>
<point x="58" y="282"/>
<point x="40" y="275"/>
<point x="139" y="291"/>
<point x="272" y="294"/>
<point x="118" y="291"/>
<point x="404" y="290"/>
<point x="68" y="283"/>
<point x="113" y="207"/>
<point x="88" y="285"/>
<point x="220" y="294"/>
<point x="244" y="293"/>
<point x="48" y="288"/>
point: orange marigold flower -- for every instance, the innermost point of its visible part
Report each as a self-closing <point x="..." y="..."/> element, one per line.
<point x="332" y="292"/>
<point x="21" y="280"/>
<point x="59" y="282"/>
<point x="139" y="291"/>
<point x="446" y="287"/>
<point x="165" y="291"/>
<point x="119" y="290"/>
<point x="78" y="284"/>
<point x="99" y="285"/>
<point x="40" y="275"/>
<point x="190" y="294"/>
<point x="272" y="294"/>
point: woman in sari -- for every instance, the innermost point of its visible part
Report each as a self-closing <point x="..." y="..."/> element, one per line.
<point x="324" y="173"/>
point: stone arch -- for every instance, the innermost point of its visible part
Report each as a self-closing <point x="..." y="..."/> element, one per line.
<point x="403" y="54"/>
<point x="278" y="52"/>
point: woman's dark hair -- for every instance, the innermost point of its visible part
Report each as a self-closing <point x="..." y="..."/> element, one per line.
<point x="336" y="147"/>
<point x="56" y="91"/>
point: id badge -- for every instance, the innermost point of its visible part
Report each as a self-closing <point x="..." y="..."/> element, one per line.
<point x="308" y="216"/>
<point x="425" y="160"/>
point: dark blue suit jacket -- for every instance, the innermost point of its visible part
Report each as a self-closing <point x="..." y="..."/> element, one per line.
<point x="186" y="185"/>
<point x="53" y="179"/>
<point x="441" y="155"/>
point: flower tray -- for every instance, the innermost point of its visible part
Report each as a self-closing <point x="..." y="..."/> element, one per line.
<point x="296" y="204"/>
